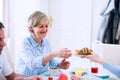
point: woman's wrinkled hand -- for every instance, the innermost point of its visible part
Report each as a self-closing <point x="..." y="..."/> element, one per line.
<point x="63" y="53"/>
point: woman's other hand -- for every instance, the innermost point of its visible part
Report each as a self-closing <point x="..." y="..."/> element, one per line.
<point x="64" y="64"/>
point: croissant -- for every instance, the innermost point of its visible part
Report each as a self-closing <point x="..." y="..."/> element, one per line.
<point x="83" y="51"/>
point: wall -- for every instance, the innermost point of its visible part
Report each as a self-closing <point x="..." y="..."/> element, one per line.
<point x="1" y="9"/>
<point x="71" y="24"/>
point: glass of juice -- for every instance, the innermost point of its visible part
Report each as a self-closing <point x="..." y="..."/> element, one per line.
<point x="94" y="69"/>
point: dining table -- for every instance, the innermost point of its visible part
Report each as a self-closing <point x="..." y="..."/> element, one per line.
<point x="103" y="74"/>
<point x="76" y="65"/>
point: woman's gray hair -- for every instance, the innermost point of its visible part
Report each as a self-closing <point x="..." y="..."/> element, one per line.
<point x="36" y="19"/>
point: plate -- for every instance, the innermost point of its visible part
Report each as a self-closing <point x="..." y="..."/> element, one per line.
<point x="104" y="76"/>
<point x="80" y="55"/>
<point x="52" y="72"/>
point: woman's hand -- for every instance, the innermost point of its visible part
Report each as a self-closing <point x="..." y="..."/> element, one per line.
<point x="63" y="53"/>
<point x="64" y="64"/>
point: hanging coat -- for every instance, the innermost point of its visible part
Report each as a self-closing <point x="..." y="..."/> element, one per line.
<point x="110" y="31"/>
<point x="105" y="14"/>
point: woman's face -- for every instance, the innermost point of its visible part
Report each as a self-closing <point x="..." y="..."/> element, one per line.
<point x="41" y="30"/>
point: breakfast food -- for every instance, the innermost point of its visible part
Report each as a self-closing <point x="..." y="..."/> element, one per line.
<point x="83" y="51"/>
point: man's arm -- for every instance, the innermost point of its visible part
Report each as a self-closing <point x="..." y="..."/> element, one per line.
<point x="14" y="76"/>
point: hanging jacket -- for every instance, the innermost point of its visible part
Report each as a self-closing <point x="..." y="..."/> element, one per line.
<point x="110" y="30"/>
<point x="105" y="13"/>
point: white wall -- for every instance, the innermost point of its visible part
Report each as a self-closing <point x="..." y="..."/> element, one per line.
<point x="1" y="9"/>
<point x="71" y="24"/>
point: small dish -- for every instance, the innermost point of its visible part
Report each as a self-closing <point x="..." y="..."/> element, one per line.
<point x="103" y="76"/>
<point x="81" y="55"/>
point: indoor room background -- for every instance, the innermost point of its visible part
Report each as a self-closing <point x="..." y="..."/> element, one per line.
<point x="74" y="24"/>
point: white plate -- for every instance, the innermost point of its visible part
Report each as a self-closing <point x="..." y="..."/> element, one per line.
<point x="52" y="72"/>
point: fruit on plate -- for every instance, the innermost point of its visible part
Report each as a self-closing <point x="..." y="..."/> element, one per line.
<point x="83" y="51"/>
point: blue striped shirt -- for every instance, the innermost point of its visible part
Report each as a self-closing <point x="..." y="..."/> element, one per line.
<point x="29" y="60"/>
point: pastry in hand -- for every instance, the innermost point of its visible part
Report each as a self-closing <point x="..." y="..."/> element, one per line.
<point x="83" y="51"/>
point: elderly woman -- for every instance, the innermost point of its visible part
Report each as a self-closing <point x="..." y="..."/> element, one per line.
<point x="36" y="55"/>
